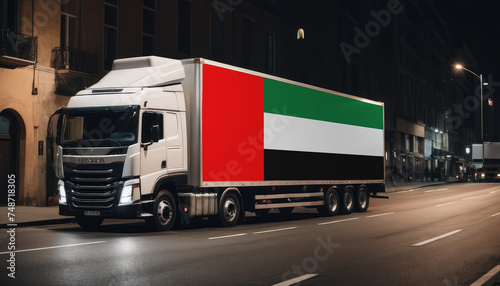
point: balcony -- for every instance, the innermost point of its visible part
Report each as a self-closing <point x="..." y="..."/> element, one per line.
<point x="76" y="69"/>
<point x="17" y="50"/>
<point x="74" y="62"/>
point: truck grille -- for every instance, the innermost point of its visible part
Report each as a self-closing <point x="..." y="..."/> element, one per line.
<point x="93" y="186"/>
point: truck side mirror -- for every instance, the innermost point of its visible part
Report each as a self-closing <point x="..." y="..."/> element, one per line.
<point x="147" y="128"/>
<point x="155" y="133"/>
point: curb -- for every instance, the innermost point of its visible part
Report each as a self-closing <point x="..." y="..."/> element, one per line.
<point x="38" y="223"/>
<point x="387" y="190"/>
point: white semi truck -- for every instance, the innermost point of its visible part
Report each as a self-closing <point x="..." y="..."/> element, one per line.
<point x="490" y="171"/>
<point x="168" y="140"/>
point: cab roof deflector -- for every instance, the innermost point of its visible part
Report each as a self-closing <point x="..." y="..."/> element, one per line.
<point x="148" y="71"/>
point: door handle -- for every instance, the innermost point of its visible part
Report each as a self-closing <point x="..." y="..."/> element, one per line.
<point x="163" y="164"/>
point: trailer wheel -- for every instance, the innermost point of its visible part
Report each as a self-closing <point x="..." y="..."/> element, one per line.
<point x="229" y="210"/>
<point x="89" y="223"/>
<point x="362" y="199"/>
<point x="347" y="200"/>
<point x="331" y="203"/>
<point x="164" y="212"/>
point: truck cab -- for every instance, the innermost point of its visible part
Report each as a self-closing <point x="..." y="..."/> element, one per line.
<point x="117" y="139"/>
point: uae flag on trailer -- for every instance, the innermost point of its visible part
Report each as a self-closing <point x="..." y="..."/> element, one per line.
<point x="259" y="129"/>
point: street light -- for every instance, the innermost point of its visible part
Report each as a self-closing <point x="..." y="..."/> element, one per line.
<point x="480" y="76"/>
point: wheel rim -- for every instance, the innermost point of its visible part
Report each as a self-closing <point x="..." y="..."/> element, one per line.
<point x="362" y="199"/>
<point x="348" y="200"/>
<point x="230" y="210"/>
<point x="332" y="202"/>
<point x="164" y="212"/>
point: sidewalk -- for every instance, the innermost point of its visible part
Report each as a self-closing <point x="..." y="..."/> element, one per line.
<point x="32" y="216"/>
<point x="404" y="186"/>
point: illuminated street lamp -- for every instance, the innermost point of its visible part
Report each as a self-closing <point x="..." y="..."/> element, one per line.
<point x="480" y="76"/>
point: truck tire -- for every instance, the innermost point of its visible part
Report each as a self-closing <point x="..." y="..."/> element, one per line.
<point x="89" y="223"/>
<point x="331" y="203"/>
<point x="164" y="212"/>
<point x="229" y="210"/>
<point x="347" y="200"/>
<point x="361" y="199"/>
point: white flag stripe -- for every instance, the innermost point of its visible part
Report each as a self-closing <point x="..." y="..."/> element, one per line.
<point x="290" y="133"/>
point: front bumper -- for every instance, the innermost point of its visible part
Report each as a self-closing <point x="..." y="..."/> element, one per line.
<point x="130" y="211"/>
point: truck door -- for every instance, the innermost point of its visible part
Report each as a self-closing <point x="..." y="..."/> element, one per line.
<point x="153" y="151"/>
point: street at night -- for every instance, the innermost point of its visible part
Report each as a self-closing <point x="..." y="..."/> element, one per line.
<point x="437" y="235"/>
<point x="249" y="142"/>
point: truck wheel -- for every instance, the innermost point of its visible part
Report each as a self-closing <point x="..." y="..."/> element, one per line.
<point x="361" y="200"/>
<point x="331" y="206"/>
<point x="229" y="210"/>
<point x="347" y="200"/>
<point x="164" y="212"/>
<point x="89" y="223"/>
<point x="286" y="211"/>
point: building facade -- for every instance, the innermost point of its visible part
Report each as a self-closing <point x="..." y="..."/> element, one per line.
<point x="50" y="49"/>
<point x="398" y="52"/>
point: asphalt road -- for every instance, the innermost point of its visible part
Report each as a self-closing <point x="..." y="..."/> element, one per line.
<point x="447" y="235"/>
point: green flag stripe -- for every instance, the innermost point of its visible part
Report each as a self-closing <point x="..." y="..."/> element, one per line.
<point x="292" y="100"/>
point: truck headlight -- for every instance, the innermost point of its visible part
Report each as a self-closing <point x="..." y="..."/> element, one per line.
<point x="131" y="192"/>
<point x="498" y="175"/>
<point x="62" y="192"/>
<point x="483" y="175"/>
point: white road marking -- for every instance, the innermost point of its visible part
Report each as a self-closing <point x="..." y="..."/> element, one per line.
<point x="295" y="280"/>
<point x="379" y="215"/>
<point x="494" y="191"/>
<point x="336" y="221"/>
<point x="407" y="191"/>
<point x="469" y="198"/>
<point x="438" y="190"/>
<point x="437" y="238"/>
<point x="274" y="230"/>
<point x="53" y="247"/>
<point x="495" y="214"/>
<point x="487" y="276"/>
<point x="445" y="204"/>
<point x="228" y="236"/>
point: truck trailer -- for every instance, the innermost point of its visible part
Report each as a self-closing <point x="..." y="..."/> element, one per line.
<point x="490" y="171"/>
<point x="168" y="140"/>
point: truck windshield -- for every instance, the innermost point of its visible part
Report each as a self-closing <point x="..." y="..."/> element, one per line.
<point x="99" y="126"/>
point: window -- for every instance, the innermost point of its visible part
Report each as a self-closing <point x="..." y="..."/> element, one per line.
<point x="99" y="126"/>
<point x="69" y="25"/>
<point x="9" y="14"/>
<point x="151" y="121"/>
<point x="216" y="35"/>
<point x="110" y="32"/>
<point x="148" y="27"/>
<point x="269" y="52"/>
<point x="184" y="27"/>
<point x="150" y="4"/>
<point x="247" y="41"/>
